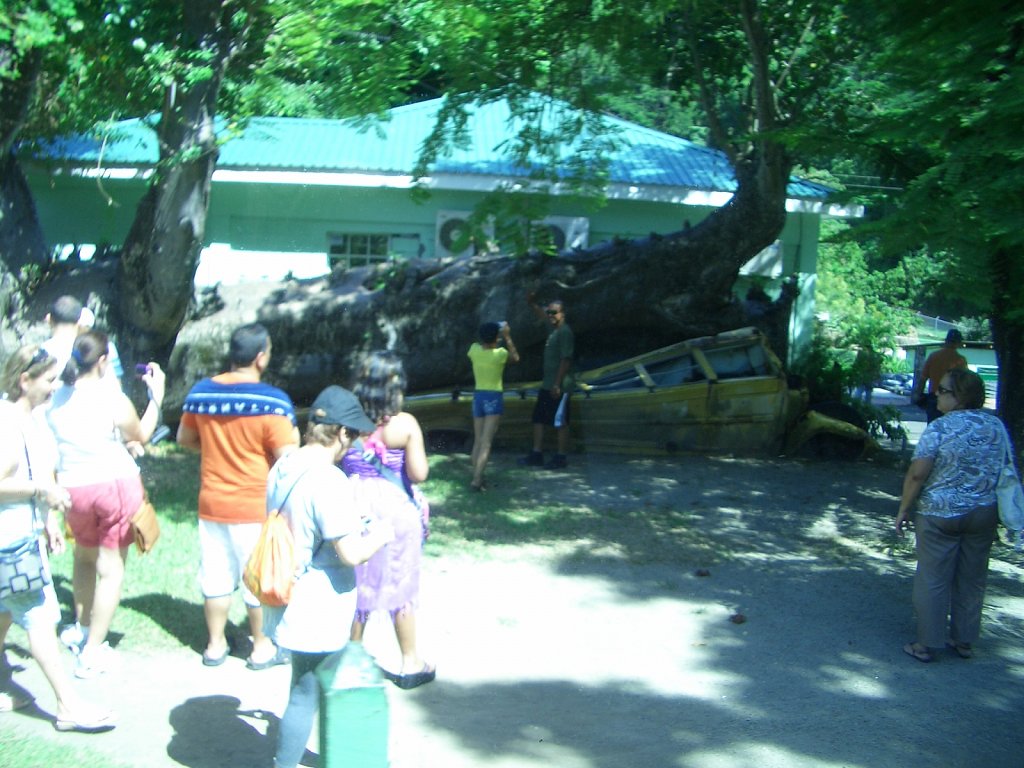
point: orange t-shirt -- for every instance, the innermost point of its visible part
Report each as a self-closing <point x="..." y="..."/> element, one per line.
<point x="236" y="453"/>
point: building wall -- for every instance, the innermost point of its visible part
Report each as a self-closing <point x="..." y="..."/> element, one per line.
<point x="73" y="209"/>
<point x="800" y="260"/>
<point x="268" y="230"/>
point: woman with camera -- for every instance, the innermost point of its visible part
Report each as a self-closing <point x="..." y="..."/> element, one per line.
<point x="92" y="422"/>
<point x="488" y="358"/>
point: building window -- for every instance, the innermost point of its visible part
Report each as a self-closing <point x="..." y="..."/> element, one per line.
<point x="354" y="249"/>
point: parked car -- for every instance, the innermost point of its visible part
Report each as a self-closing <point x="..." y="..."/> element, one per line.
<point x="897" y="383"/>
<point x="726" y="393"/>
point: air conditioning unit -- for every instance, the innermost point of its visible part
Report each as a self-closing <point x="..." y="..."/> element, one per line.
<point x="450" y="227"/>
<point x="568" y="232"/>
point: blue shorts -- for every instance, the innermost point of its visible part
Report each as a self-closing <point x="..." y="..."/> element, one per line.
<point x="37" y="607"/>
<point x="487" y="402"/>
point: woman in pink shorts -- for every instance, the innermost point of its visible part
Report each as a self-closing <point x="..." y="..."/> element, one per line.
<point x="93" y="420"/>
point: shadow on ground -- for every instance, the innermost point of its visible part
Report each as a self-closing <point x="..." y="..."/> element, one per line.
<point x="804" y="554"/>
<point x="212" y="732"/>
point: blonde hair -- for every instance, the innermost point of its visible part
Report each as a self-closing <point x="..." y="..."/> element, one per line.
<point x="31" y="359"/>
<point x="321" y="434"/>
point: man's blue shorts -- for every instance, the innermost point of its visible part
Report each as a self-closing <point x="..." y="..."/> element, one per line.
<point x="487" y="402"/>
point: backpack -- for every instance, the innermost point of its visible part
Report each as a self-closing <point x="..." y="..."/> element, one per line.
<point x="270" y="572"/>
<point x="273" y="568"/>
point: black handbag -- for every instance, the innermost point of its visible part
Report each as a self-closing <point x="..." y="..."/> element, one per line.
<point x="22" y="566"/>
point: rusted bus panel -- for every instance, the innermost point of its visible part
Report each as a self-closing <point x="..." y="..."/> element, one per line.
<point x="718" y="394"/>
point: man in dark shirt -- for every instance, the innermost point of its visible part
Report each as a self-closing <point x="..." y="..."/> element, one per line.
<point x="552" y="408"/>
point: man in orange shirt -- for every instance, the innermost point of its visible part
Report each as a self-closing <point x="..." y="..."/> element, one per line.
<point x="938" y="364"/>
<point x="240" y="427"/>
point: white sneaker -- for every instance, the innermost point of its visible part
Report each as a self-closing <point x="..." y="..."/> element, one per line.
<point x="94" y="661"/>
<point x="74" y="636"/>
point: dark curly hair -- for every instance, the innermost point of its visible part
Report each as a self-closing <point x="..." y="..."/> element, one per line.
<point x="380" y="385"/>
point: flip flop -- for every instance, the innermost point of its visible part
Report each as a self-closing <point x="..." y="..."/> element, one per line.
<point x="919" y="652"/>
<point x="215" y="661"/>
<point x="281" y="656"/>
<point x="416" y="679"/>
<point x="963" y="650"/>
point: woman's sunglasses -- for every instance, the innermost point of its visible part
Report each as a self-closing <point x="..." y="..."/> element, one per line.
<point x="40" y="356"/>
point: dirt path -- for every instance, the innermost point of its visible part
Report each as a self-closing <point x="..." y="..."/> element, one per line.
<point x="610" y="651"/>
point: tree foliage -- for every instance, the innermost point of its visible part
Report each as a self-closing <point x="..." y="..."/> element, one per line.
<point x="948" y="103"/>
<point x="865" y="306"/>
<point x="755" y="71"/>
<point x="930" y="99"/>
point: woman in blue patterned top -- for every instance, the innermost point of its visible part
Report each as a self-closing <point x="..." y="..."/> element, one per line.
<point x="951" y="485"/>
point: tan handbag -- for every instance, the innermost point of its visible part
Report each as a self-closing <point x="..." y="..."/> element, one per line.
<point x="145" y="526"/>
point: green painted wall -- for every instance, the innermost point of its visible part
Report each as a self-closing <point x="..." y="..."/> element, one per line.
<point x="299" y="219"/>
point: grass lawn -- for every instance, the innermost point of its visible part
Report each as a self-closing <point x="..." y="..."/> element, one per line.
<point x="162" y="608"/>
<point x="40" y="753"/>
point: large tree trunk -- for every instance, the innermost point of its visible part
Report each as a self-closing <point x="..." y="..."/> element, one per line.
<point x="623" y="298"/>
<point x="21" y="237"/>
<point x="161" y="253"/>
<point x="1008" y="340"/>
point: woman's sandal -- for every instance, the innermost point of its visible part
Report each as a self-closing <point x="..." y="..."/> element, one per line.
<point x="918" y="651"/>
<point x="415" y="679"/>
<point x="963" y="650"/>
<point x="87" y="722"/>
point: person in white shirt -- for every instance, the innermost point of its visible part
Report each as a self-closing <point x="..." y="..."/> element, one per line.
<point x="92" y="421"/>
<point x="68" y="318"/>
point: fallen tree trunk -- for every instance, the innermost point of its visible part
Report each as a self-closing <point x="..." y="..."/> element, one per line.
<point x="622" y="298"/>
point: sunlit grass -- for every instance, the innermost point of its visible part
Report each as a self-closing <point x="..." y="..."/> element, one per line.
<point x="162" y="605"/>
<point x="26" y="752"/>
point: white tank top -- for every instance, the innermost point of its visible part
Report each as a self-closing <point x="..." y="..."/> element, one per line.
<point x="90" y="446"/>
<point x="31" y="441"/>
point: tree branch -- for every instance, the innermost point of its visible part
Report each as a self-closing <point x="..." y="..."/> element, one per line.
<point x="717" y="132"/>
<point x="753" y="28"/>
<point x="796" y="53"/>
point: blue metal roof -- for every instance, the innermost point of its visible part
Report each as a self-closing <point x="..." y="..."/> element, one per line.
<point x="635" y="155"/>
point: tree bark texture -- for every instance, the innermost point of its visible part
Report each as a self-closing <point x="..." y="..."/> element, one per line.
<point x="623" y="298"/>
<point x="1008" y="340"/>
<point x="21" y="238"/>
<point x="161" y="252"/>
